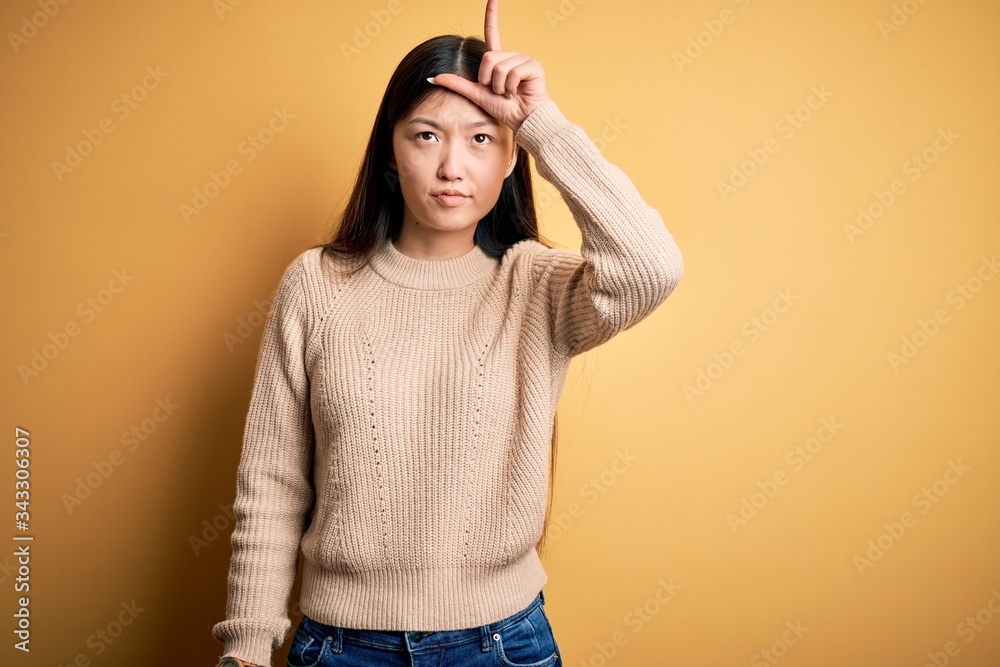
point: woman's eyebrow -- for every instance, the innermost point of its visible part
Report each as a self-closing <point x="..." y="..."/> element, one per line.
<point x="428" y="121"/>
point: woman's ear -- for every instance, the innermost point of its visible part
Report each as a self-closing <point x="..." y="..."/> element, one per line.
<point x="513" y="163"/>
<point x="392" y="162"/>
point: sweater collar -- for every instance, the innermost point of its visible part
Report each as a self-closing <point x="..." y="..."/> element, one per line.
<point x="433" y="274"/>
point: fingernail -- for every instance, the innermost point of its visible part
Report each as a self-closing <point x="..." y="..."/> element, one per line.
<point x="431" y="80"/>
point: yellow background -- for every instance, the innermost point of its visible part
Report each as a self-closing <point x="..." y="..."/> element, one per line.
<point x="679" y="129"/>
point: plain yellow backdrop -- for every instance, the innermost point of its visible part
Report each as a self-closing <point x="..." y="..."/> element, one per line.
<point x="793" y="461"/>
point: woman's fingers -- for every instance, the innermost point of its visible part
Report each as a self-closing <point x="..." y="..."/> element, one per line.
<point x="508" y="73"/>
<point x="510" y="85"/>
<point x="491" y="60"/>
<point x="491" y="29"/>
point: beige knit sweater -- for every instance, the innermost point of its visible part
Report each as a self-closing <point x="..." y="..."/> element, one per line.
<point x="399" y="426"/>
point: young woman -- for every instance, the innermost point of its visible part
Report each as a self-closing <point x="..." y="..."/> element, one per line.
<point x="401" y="428"/>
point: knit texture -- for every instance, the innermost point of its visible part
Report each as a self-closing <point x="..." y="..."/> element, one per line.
<point x="400" y="421"/>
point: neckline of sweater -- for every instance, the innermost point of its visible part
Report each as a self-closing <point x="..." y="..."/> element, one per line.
<point x="432" y="274"/>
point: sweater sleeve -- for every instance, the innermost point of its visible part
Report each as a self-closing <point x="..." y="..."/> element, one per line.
<point x="274" y="490"/>
<point x="629" y="263"/>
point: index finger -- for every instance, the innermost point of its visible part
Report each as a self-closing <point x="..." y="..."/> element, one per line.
<point x="492" y="28"/>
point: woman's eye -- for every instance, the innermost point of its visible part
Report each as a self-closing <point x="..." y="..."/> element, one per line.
<point x="420" y="137"/>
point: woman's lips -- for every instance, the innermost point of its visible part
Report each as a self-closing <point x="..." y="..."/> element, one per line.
<point x="451" y="200"/>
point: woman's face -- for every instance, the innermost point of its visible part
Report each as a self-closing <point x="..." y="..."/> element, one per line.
<point x="450" y="143"/>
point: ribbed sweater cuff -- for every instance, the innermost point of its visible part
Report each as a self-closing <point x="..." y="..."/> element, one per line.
<point x="544" y="120"/>
<point x="246" y="641"/>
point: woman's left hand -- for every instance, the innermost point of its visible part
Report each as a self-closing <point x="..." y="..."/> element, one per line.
<point x="510" y="84"/>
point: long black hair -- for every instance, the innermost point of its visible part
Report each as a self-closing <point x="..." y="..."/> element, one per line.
<point x="374" y="211"/>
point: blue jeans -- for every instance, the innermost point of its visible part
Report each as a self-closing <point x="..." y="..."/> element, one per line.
<point x="523" y="639"/>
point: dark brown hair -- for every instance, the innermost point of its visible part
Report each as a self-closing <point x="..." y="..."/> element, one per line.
<point x="374" y="211"/>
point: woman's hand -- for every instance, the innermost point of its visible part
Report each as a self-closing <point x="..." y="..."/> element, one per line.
<point x="510" y="85"/>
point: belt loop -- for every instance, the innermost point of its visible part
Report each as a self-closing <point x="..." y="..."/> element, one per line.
<point x="337" y="639"/>
<point x="541" y="594"/>
<point x="486" y="636"/>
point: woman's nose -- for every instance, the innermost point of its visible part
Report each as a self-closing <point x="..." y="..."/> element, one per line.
<point x="451" y="162"/>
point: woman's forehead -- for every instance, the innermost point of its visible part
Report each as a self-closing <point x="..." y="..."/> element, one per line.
<point x="449" y="108"/>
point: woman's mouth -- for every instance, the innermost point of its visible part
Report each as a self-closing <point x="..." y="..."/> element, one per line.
<point x="451" y="200"/>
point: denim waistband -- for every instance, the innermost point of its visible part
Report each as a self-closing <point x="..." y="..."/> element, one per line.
<point x="402" y="640"/>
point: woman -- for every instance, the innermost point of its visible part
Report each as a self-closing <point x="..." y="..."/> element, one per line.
<point x="401" y="426"/>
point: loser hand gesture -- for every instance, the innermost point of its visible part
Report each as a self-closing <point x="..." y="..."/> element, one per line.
<point x="510" y="84"/>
